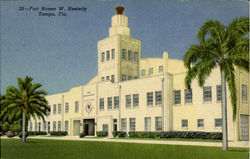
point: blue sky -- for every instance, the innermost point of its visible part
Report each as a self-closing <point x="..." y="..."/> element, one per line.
<point x="61" y="52"/>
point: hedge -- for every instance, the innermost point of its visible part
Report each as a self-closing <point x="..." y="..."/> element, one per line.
<point x="82" y="134"/>
<point x="177" y="134"/>
<point x="58" y="133"/>
<point x="21" y="134"/>
<point x="119" y="133"/>
<point x="102" y="133"/>
<point x="37" y="133"/>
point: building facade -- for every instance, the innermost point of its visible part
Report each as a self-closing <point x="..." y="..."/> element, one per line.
<point x="134" y="94"/>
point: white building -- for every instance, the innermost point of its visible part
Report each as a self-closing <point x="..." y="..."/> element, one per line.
<point x="134" y="94"/>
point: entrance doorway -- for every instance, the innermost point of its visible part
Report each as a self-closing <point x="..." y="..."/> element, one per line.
<point x="115" y="124"/>
<point x="89" y="127"/>
<point x="244" y="136"/>
<point x="76" y="127"/>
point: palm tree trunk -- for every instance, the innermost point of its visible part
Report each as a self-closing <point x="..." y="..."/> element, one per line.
<point x="23" y="128"/>
<point x="224" y="112"/>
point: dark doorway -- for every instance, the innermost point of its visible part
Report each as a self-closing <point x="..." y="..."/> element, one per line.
<point x="115" y="124"/>
<point x="89" y="127"/>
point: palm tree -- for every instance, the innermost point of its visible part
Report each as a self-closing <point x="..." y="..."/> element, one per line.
<point x="226" y="47"/>
<point x="23" y="101"/>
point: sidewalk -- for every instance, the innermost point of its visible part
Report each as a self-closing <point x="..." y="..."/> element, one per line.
<point x="242" y="144"/>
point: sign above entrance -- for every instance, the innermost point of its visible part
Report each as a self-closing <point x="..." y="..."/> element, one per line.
<point x="89" y="107"/>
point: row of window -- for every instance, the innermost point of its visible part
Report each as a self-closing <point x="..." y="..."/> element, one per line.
<point x="124" y="77"/>
<point x="57" y="109"/>
<point x="132" y="100"/>
<point x="108" y="55"/>
<point x="207" y="94"/>
<point x="111" y="78"/>
<point x="126" y="55"/>
<point x="46" y="126"/>
<point x="151" y="70"/>
<point x="200" y="123"/>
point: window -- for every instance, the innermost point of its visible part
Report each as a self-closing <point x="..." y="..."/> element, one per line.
<point x="124" y="54"/>
<point x="76" y="106"/>
<point x="158" y="98"/>
<point x="30" y="126"/>
<point x="143" y="72"/>
<point x="244" y="93"/>
<point x="158" y="123"/>
<point x="35" y="126"/>
<point x="150" y="71"/>
<point x="207" y="94"/>
<point x="188" y="96"/>
<point x="123" y="124"/>
<point x="184" y="123"/>
<point x="59" y="108"/>
<point x="49" y="110"/>
<point x="123" y="77"/>
<point x="135" y="100"/>
<point x="218" y="93"/>
<point x="147" y="121"/>
<point x="136" y="56"/>
<point x="128" y="101"/>
<point x="112" y="78"/>
<point x="103" y="78"/>
<point x="129" y="55"/>
<point x="150" y="98"/>
<point x="116" y="102"/>
<point x="59" y="125"/>
<point x="113" y="53"/>
<point x="44" y="126"/>
<point x="66" y="124"/>
<point x="101" y="103"/>
<point x="109" y="102"/>
<point x="48" y="126"/>
<point x="108" y="55"/>
<point x="66" y="107"/>
<point x="131" y="124"/>
<point x="54" y="125"/>
<point x="39" y="126"/>
<point x="129" y="77"/>
<point x="107" y="78"/>
<point x="103" y="56"/>
<point x="54" y="109"/>
<point x="105" y="127"/>
<point x="160" y="68"/>
<point x="200" y="123"/>
<point x="218" y="122"/>
<point x="177" y="96"/>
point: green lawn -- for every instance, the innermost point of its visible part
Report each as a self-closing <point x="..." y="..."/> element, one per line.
<point x="169" y="139"/>
<point x="59" y="149"/>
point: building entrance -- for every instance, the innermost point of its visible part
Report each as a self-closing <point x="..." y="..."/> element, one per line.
<point x="89" y="127"/>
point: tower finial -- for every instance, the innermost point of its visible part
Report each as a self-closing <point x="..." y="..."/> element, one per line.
<point x="119" y="9"/>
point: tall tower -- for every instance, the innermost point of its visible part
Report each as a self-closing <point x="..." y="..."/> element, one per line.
<point x="119" y="55"/>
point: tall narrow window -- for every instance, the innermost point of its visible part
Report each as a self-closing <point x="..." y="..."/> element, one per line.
<point x="66" y="124"/>
<point x="54" y="109"/>
<point x="103" y="56"/>
<point x="188" y="96"/>
<point x="109" y="102"/>
<point x="76" y="106"/>
<point x="142" y="72"/>
<point x="108" y="55"/>
<point x="160" y="68"/>
<point x="158" y="123"/>
<point x="218" y="93"/>
<point x="112" y="78"/>
<point x="200" y="123"/>
<point x="124" y="124"/>
<point x="151" y="71"/>
<point x="129" y="55"/>
<point x="39" y="126"/>
<point x="59" y="108"/>
<point x="113" y="53"/>
<point x="44" y="126"/>
<point x="207" y="94"/>
<point x="218" y="122"/>
<point x="101" y="103"/>
<point x="136" y="56"/>
<point x="177" y="96"/>
<point x="123" y="77"/>
<point x="66" y="108"/>
<point x="244" y="93"/>
<point x="59" y="125"/>
<point x="35" y="126"/>
<point x="54" y="125"/>
<point x="124" y="54"/>
<point x="135" y="100"/>
<point x="128" y="101"/>
<point x="158" y="98"/>
<point x="107" y="78"/>
<point x="105" y="127"/>
<point x="150" y="98"/>
<point x="30" y="126"/>
<point x="132" y="124"/>
<point x="116" y="102"/>
<point x="147" y="121"/>
<point x="184" y="123"/>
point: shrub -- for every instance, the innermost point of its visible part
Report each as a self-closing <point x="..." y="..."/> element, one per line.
<point x="1" y="133"/>
<point x="115" y="133"/>
<point x="102" y="133"/>
<point x="58" y="133"/>
<point x="10" y="134"/>
<point x="82" y="134"/>
<point x="21" y="134"/>
<point x="37" y="133"/>
<point x="119" y="133"/>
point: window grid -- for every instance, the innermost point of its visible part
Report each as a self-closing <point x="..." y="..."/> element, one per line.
<point x="54" y="109"/>
<point x="109" y="102"/>
<point x="112" y="78"/>
<point x="108" y="55"/>
<point x="59" y="125"/>
<point x="200" y="123"/>
<point x="66" y="107"/>
<point x="158" y="123"/>
<point x="76" y="106"/>
<point x="124" y="54"/>
<point x="177" y="96"/>
<point x="129" y="55"/>
<point x="207" y="94"/>
<point x="158" y="98"/>
<point x="188" y="96"/>
<point x="147" y="121"/>
<point x="123" y="124"/>
<point x="135" y="100"/>
<point x="150" y="98"/>
<point x="128" y="101"/>
<point x="101" y="103"/>
<point x="59" y="108"/>
<point x="113" y="53"/>
<point x="54" y="125"/>
<point x="218" y="93"/>
<point x="244" y="93"/>
<point x="136" y="56"/>
<point x="132" y="124"/>
<point x="184" y="123"/>
<point x="66" y="125"/>
<point x="218" y="122"/>
<point x="116" y="102"/>
<point x="103" y="57"/>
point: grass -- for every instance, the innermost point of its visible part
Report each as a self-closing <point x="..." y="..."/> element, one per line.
<point x="65" y="149"/>
<point x="169" y="139"/>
